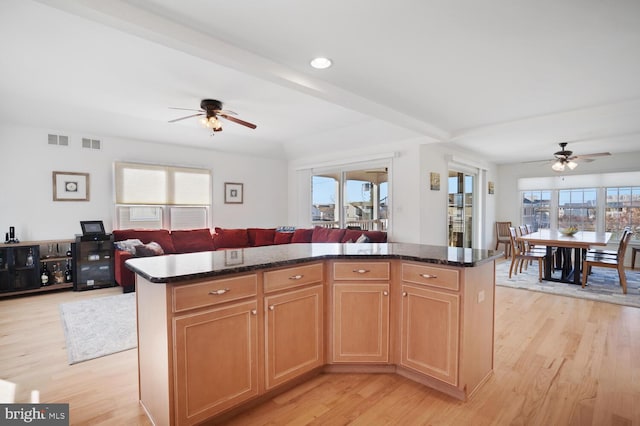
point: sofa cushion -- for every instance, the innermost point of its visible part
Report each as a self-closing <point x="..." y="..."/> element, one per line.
<point x="193" y="240"/>
<point x="160" y="236"/>
<point x="261" y="236"/>
<point x="327" y="235"/>
<point x="230" y="238"/>
<point x="149" y="249"/>
<point x="302" y="235"/>
<point x="283" y="237"/>
<point x="351" y="235"/>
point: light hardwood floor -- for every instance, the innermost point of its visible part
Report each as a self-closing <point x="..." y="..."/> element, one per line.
<point x="558" y="361"/>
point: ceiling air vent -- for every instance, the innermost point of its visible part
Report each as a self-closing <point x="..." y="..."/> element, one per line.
<point x="91" y="143"/>
<point x="58" y="140"/>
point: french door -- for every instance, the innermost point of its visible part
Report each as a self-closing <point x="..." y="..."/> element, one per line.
<point x="460" y="208"/>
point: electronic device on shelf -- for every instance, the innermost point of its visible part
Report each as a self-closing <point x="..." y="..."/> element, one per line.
<point x="93" y="230"/>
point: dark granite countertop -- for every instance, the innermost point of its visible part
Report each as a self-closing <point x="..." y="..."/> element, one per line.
<point x="182" y="267"/>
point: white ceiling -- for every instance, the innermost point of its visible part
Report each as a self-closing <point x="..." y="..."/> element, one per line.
<point x="506" y="79"/>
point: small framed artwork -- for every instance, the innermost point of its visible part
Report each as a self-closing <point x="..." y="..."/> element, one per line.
<point x="491" y="188"/>
<point x="233" y="193"/>
<point x="434" y="180"/>
<point x="70" y="186"/>
<point x="233" y="257"/>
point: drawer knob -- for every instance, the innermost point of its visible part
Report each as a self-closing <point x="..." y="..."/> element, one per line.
<point x="404" y="294"/>
<point x="296" y="277"/>
<point x="271" y="307"/>
<point x="360" y="271"/>
<point x="427" y="276"/>
<point x="385" y="293"/>
<point x="219" y="292"/>
<point x="254" y="312"/>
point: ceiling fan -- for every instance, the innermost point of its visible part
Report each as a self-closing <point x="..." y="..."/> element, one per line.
<point x="210" y="110"/>
<point x="565" y="158"/>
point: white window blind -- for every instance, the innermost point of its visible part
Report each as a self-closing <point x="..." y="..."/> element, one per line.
<point x="156" y="196"/>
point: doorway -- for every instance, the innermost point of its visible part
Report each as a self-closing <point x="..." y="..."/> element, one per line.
<point x="460" y="209"/>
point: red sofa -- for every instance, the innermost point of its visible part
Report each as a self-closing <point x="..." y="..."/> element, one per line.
<point x="194" y="240"/>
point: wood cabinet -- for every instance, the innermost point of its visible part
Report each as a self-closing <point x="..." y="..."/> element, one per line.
<point x="294" y="334"/>
<point x="429" y="337"/>
<point x="215" y="357"/>
<point x="360" y="312"/>
<point x="20" y="266"/>
<point x="94" y="262"/>
<point x="446" y="330"/>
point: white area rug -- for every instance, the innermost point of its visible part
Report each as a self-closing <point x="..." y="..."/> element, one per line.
<point x="100" y="326"/>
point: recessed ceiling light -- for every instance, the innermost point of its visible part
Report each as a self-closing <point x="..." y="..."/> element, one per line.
<point x="321" y="63"/>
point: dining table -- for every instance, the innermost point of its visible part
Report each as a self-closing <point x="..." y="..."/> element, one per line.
<point x="570" y="266"/>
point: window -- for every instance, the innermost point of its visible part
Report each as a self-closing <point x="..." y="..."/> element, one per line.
<point x="622" y="210"/>
<point x="362" y="193"/>
<point x="577" y="207"/>
<point x="536" y="206"/>
<point x="155" y="196"/>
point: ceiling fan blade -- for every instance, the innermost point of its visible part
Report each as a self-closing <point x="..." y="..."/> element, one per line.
<point x="187" y="109"/>
<point x="184" y="118"/>
<point x="597" y="154"/>
<point x="237" y="120"/>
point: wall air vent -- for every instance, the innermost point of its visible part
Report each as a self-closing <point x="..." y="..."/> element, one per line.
<point x="58" y="140"/>
<point x="91" y="143"/>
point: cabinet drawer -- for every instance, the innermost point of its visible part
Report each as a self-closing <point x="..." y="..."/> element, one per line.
<point x="431" y="275"/>
<point x="213" y="292"/>
<point x="292" y="277"/>
<point x="364" y="271"/>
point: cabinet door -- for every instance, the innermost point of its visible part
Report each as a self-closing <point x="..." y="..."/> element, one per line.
<point x="429" y="336"/>
<point x="294" y="334"/>
<point x="360" y="322"/>
<point x="215" y="361"/>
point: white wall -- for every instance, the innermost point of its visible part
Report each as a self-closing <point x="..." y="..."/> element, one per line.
<point x="27" y="163"/>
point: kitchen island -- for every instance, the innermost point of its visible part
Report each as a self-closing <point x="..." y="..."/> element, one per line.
<point x="218" y="331"/>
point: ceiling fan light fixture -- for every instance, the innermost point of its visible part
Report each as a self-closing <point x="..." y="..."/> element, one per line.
<point x="558" y="166"/>
<point x="321" y="63"/>
<point x="572" y="164"/>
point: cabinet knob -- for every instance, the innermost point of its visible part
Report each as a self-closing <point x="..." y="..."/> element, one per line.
<point x="254" y="312"/>
<point x="427" y="276"/>
<point x="360" y="271"/>
<point x="219" y="292"/>
<point x="296" y="277"/>
<point x="271" y="307"/>
<point x="404" y="294"/>
<point x="385" y="293"/>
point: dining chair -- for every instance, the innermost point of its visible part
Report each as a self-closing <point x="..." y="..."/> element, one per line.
<point x="605" y="261"/>
<point x="502" y="237"/>
<point x="610" y="253"/>
<point x="520" y="256"/>
<point x="634" y="250"/>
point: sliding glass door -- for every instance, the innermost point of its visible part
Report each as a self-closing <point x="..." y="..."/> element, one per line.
<point x="460" y="209"/>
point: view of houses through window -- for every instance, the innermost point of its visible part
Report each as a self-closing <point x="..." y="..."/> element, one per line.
<point x="589" y="209"/>
<point x="351" y="198"/>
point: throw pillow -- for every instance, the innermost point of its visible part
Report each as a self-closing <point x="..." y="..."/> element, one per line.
<point x="362" y="239"/>
<point x="150" y="249"/>
<point x="128" y="245"/>
<point x="302" y="236"/>
<point x="376" y="236"/>
<point x="261" y="236"/>
<point x="350" y="235"/>
<point x="335" y="235"/>
<point x="320" y="234"/>
<point x="283" y="237"/>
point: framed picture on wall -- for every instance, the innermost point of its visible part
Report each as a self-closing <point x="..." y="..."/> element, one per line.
<point x="70" y="186"/>
<point x="491" y="188"/>
<point x="434" y="180"/>
<point x="233" y="193"/>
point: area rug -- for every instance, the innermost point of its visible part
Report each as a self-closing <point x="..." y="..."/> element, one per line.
<point x="603" y="284"/>
<point x="100" y="326"/>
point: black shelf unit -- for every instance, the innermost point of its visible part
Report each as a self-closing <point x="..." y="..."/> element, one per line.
<point x="16" y="275"/>
<point x="93" y="262"/>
